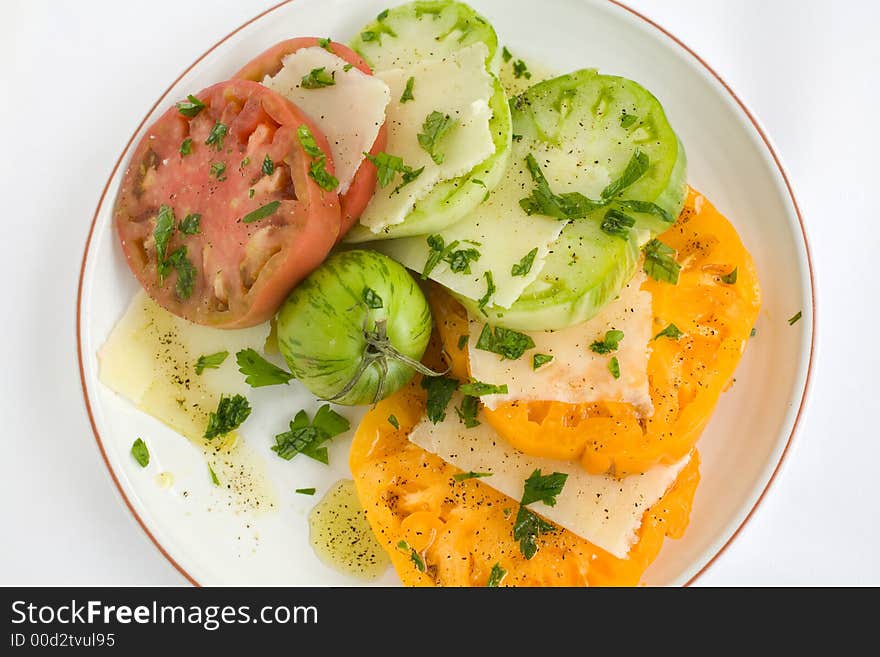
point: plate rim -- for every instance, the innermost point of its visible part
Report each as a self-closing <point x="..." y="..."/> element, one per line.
<point x="756" y="124"/>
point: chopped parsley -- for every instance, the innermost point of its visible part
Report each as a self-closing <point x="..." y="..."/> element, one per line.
<point x="258" y="371"/>
<point x="317" y="78"/>
<point x="477" y="181"/>
<point x="464" y="476"/>
<point x="478" y="389"/>
<point x="646" y="207"/>
<point x="753" y="332"/>
<point x="325" y="44"/>
<point x="347" y="67"/>
<point x="490" y="290"/>
<point x="730" y="278"/>
<point x="496" y="576"/>
<point x="307" y="437"/>
<point x="408" y="91"/>
<point x="190" y="224"/>
<point x="436" y="126"/>
<point x="218" y="169"/>
<point x="504" y="342"/>
<point x="614" y="367"/>
<point x="244" y="162"/>
<point x="462" y="341"/>
<point x="369" y="35"/>
<point x="617" y="223"/>
<point x="467" y="412"/>
<point x="795" y="318"/>
<point x="318" y="168"/>
<point x="186" y="272"/>
<point x="506" y="54"/>
<point x="216" y="136"/>
<point x="660" y="262"/>
<point x="526" y="528"/>
<point x="261" y="212"/>
<point x="214" y="479"/>
<point x="389" y="165"/>
<point x="524" y="266"/>
<point x="540" y="359"/>
<point x="672" y="332"/>
<point x="458" y="259"/>
<point x="635" y="169"/>
<point x="392" y="420"/>
<point x="543" y="488"/>
<point x="161" y="236"/>
<point x="440" y="389"/>
<point x="268" y="167"/>
<point x="230" y="413"/>
<point x="185" y="147"/>
<point x="305" y="491"/>
<point x="211" y="361"/>
<point x="414" y="556"/>
<point x="370" y="298"/>
<point x="190" y="107"/>
<point x="520" y="70"/>
<point x="140" y="452"/>
<point x="609" y="343"/>
<point x="542" y="200"/>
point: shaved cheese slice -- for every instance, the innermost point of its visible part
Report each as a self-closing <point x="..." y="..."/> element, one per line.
<point x="576" y="374"/>
<point x="150" y="359"/>
<point x="601" y="509"/>
<point x="458" y="86"/>
<point x="500" y="231"/>
<point x="349" y="112"/>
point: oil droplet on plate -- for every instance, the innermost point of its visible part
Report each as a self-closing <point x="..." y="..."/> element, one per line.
<point x="164" y="480"/>
<point x="341" y="536"/>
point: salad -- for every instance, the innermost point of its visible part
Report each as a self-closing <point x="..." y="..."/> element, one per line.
<point x="502" y="266"/>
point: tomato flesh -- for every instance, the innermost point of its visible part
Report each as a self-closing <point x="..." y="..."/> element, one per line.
<point x="241" y="270"/>
<point x="359" y="193"/>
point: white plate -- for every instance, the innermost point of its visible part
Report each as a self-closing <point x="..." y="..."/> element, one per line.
<point x="730" y="160"/>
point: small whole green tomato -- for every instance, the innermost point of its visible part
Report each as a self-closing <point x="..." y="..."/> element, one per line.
<point x="353" y="332"/>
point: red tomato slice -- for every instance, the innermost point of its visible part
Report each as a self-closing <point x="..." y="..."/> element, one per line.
<point x="355" y="200"/>
<point x="238" y="267"/>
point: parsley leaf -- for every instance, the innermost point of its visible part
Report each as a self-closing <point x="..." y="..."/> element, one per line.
<point x="414" y="556"/>
<point x="216" y="136"/>
<point x="672" y="332"/>
<point x="478" y="389"/>
<point x="610" y="343"/>
<point x="459" y="261"/>
<point x="140" y="452"/>
<point x="542" y="200"/>
<point x="392" y="420"/>
<point x="520" y="70"/>
<point x="389" y="165"/>
<point x="524" y="266"/>
<point x="540" y="359"/>
<point x="408" y="91"/>
<point x="211" y="361"/>
<point x="462" y="341"/>
<point x="463" y="476"/>
<point x="504" y="342"/>
<point x="467" y="412"/>
<point x="185" y="147"/>
<point x="543" y="488"/>
<point x="614" y="367"/>
<point x="261" y="212"/>
<point x="268" y="167"/>
<point x="317" y="78"/>
<point x="795" y="318"/>
<point x="218" y="169"/>
<point x="635" y="169"/>
<point x="190" y="224"/>
<point x="435" y="127"/>
<point x="617" y="223"/>
<point x="490" y="290"/>
<point x="753" y="332"/>
<point x="305" y="491"/>
<point x="325" y="44"/>
<point x="440" y="389"/>
<point x="186" y="272"/>
<point x="214" y="479"/>
<point x="347" y="67"/>
<point x="258" y="371"/>
<point x="660" y="262"/>
<point x="730" y="278"/>
<point x="496" y="576"/>
<point x="230" y="413"/>
<point x="162" y="235"/>
<point x="317" y="169"/>
<point x="372" y="299"/>
<point x="305" y="437"/>
<point x="190" y="107"/>
<point x="526" y="528"/>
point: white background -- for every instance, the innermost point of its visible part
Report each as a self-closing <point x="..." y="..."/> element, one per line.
<point x="77" y="77"/>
